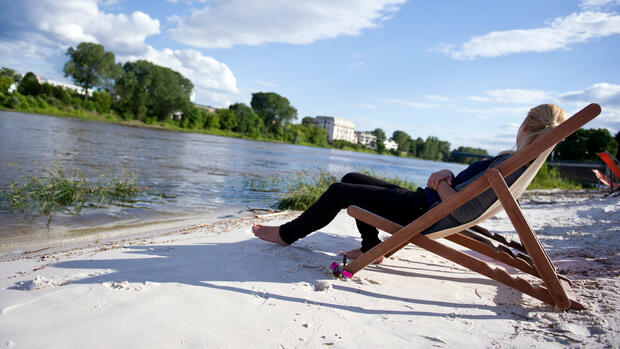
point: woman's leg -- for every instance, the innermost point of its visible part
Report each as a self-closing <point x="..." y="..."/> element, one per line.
<point x="398" y="205"/>
<point x="370" y="234"/>
<point x="360" y="178"/>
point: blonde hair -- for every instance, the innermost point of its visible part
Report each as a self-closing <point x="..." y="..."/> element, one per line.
<point x="540" y="120"/>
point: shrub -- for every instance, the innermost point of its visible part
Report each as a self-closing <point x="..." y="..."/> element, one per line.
<point x="12" y="102"/>
<point x="29" y="85"/>
<point x="102" y="101"/>
<point x="550" y="178"/>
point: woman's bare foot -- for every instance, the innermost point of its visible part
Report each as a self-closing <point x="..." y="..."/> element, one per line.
<point x="268" y="233"/>
<point x="356" y="253"/>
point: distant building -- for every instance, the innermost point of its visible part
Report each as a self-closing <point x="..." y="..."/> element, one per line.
<point x="390" y="144"/>
<point x="366" y="139"/>
<point x="64" y="85"/>
<point x="337" y="129"/>
<point x="208" y="108"/>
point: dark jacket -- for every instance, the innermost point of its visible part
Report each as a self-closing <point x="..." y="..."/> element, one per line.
<point x="476" y="206"/>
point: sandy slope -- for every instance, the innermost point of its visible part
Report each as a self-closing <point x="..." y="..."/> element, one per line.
<point x="218" y="286"/>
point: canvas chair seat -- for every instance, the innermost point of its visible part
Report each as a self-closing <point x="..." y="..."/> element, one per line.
<point x="531" y="258"/>
<point x="446" y="227"/>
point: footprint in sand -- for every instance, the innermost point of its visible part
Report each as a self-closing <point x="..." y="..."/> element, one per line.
<point x="39" y="282"/>
<point x="127" y="286"/>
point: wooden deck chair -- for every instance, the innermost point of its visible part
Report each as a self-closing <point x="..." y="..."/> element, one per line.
<point x="530" y="258"/>
<point x="606" y="180"/>
<point x="612" y="165"/>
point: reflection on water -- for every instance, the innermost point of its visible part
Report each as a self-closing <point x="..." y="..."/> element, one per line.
<point x="204" y="175"/>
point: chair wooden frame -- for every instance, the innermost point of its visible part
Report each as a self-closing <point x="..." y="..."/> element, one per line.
<point x="531" y="257"/>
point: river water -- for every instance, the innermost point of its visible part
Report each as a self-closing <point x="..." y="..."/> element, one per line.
<point x="203" y="177"/>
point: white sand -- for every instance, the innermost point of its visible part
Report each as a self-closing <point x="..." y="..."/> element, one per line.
<point x="218" y="286"/>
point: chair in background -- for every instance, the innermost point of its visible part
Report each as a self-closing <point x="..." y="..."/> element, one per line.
<point x="612" y="165"/>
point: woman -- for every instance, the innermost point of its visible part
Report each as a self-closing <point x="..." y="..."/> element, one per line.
<point x="401" y="205"/>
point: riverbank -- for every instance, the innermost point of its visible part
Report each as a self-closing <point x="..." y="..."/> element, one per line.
<point x="113" y="118"/>
<point x="216" y="285"/>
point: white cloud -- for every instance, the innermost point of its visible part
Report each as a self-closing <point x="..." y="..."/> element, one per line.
<point x="411" y="103"/>
<point x="265" y="83"/>
<point x="367" y="106"/>
<point x="223" y="24"/>
<point x="437" y="98"/>
<point x="507" y="111"/>
<point x="174" y="19"/>
<point x="357" y="64"/>
<point x="603" y="93"/>
<point x="43" y="30"/>
<point x="213" y="80"/>
<point x="561" y="33"/>
<point x="595" y="4"/>
<point x="69" y="22"/>
<point x="519" y="96"/>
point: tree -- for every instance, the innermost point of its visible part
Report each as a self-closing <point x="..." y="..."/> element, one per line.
<point x="584" y="144"/>
<point x="275" y="110"/>
<point x="617" y="138"/>
<point x="5" y="83"/>
<point x="11" y="74"/>
<point x="211" y="120"/>
<point x="380" y="134"/>
<point x="416" y="146"/>
<point x="381" y="137"/>
<point x="469" y="150"/>
<point x="90" y="65"/>
<point x="102" y="101"/>
<point x="308" y="120"/>
<point x="29" y="85"/>
<point x="402" y="139"/>
<point x="228" y="119"/>
<point x="248" y="121"/>
<point x="145" y="89"/>
<point x="316" y="135"/>
<point x="435" y="149"/>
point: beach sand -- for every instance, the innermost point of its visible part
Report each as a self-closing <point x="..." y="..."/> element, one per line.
<point x="218" y="286"/>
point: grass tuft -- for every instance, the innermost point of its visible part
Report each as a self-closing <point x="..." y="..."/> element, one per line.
<point x="550" y="178"/>
<point x="307" y="188"/>
<point x="55" y="192"/>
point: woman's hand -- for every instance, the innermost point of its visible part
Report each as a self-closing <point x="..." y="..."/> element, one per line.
<point x="438" y="177"/>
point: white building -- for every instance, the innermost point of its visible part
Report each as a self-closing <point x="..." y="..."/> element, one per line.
<point x="390" y="144"/>
<point x="336" y="128"/>
<point x="64" y="85"/>
<point x="366" y="139"/>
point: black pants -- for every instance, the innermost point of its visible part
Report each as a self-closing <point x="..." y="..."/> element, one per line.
<point x="385" y="199"/>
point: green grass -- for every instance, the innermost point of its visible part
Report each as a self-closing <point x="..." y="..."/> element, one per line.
<point x="56" y="191"/>
<point x="550" y="178"/>
<point x="307" y="188"/>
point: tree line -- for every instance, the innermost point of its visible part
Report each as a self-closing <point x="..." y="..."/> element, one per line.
<point x="150" y="93"/>
<point x="431" y="148"/>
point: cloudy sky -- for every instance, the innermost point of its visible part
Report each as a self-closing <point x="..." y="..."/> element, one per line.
<point x="464" y="71"/>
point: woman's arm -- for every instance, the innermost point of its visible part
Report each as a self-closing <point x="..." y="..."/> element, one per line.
<point x="435" y="178"/>
<point x="444" y="190"/>
<point x="441" y="182"/>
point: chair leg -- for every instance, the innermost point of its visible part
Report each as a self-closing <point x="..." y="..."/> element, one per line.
<point x="504" y="256"/>
<point x="462" y="258"/>
<point x="543" y="264"/>
<point x="502" y="240"/>
<point x="499" y="275"/>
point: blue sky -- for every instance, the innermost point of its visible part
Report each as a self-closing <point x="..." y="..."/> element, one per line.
<point x="464" y="71"/>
